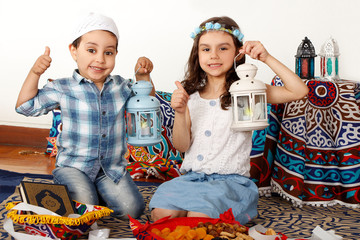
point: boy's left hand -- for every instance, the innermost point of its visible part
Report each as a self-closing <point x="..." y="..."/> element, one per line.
<point x="143" y="66"/>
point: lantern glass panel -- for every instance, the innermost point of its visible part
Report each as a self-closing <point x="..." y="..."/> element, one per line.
<point x="260" y="107"/>
<point x="131" y="124"/>
<point x="146" y="124"/>
<point x="158" y="122"/>
<point x="304" y="68"/>
<point x="243" y="108"/>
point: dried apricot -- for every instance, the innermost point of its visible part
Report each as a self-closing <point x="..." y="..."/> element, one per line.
<point x="191" y="234"/>
<point x="169" y="238"/>
<point x="182" y="229"/>
<point x="208" y="237"/>
<point x="200" y="232"/>
<point x="156" y="231"/>
<point x="176" y="234"/>
<point x="165" y="231"/>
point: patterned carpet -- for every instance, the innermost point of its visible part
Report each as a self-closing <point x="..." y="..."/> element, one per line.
<point x="274" y="212"/>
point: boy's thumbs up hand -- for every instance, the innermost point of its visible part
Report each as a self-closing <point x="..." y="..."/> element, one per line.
<point x="179" y="98"/>
<point x="42" y="63"/>
<point x="47" y="51"/>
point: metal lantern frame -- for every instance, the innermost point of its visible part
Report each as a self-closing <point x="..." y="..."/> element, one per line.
<point x="248" y="99"/>
<point x="305" y="62"/>
<point x="329" y="60"/>
<point x="143" y="116"/>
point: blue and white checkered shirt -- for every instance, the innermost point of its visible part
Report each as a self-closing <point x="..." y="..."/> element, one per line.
<point x="93" y="130"/>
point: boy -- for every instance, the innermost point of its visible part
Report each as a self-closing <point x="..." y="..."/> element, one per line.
<point x="92" y="143"/>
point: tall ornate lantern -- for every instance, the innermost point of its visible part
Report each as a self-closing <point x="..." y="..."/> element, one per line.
<point x="329" y="61"/>
<point x="248" y="100"/>
<point x="305" y="60"/>
<point x="143" y="116"/>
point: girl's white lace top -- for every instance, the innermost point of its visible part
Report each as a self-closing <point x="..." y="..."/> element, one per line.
<point x="215" y="148"/>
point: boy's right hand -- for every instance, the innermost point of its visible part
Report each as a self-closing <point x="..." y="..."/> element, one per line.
<point x="179" y="98"/>
<point x="42" y="63"/>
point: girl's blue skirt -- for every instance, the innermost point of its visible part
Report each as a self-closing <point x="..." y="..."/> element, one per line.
<point x="209" y="194"/>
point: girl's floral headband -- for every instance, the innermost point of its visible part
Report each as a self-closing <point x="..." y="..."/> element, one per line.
<point x="217" y="26"/>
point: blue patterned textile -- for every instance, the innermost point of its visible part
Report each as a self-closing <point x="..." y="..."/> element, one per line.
<point x="311" y="150"/>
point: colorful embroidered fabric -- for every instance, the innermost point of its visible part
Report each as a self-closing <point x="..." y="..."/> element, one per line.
<point x="154" y="166"/>
<point x="310" y="153"/>
<point x="54" y="132"/>
<point x="162" y="160"/>
<point x="56" y="227"/>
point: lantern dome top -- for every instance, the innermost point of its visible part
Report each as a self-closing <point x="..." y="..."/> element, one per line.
<point x="142" y="87"/>
<point x="246" y="70"/>
<point x="306" y="49"/>
<point x="330" y="48"/>
<point x="142" y="100"/>
<point x="246" y="73"/>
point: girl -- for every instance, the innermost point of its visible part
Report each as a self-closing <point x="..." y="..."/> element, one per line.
<point x="217" y="159"/>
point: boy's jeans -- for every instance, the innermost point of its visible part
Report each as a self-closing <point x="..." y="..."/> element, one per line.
<point x="123" y="198"/>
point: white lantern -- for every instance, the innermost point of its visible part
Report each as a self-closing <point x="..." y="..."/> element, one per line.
<point x="329" y="60"/>
<point x="248" y="100"/>
<point x="143" y="116"/>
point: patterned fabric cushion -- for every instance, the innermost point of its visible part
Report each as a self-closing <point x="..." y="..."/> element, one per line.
<point x="54" y="132"/>
<point x="162" y="160"/>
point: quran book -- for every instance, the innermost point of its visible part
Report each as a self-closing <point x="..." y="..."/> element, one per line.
<point x="54" y="197"/>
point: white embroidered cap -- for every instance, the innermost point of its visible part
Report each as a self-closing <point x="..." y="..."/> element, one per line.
<point x="93" y="22"/>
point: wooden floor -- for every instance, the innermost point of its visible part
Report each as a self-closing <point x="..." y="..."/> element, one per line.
<point x="23" y="149"/>
<point x="25" y="159"/>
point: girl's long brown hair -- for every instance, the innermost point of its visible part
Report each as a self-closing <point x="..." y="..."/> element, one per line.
<point x="195" y="78"/>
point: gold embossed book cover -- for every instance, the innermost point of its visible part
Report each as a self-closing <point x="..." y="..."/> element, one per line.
<point x="54" y="197"/>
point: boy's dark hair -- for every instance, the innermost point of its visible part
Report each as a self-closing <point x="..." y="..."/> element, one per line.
<point x="76" y="42"/>
<point x="195" y="78"/>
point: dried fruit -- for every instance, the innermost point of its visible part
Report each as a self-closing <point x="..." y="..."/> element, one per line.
<point x="204" y="231"/>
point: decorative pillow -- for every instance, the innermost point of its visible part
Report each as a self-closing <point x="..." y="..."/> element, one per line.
<point x="156" y="166"/>
<point x="137" y="154"/>
<point x="55" y="227"/>
<point x="165" y="146"/>
<point x="161" y="160"/>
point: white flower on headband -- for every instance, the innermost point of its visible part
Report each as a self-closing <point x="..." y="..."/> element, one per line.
<point x="218" y="27"/>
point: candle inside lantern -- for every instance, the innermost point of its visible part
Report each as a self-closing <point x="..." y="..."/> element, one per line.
<point x="145" y="127"/>
<point x="244" y="111"/>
